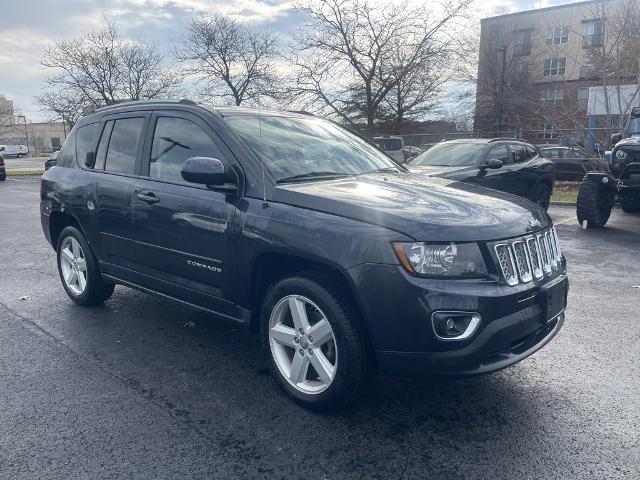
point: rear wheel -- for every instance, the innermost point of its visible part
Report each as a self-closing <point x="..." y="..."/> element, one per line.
<point x="78" y="269"/>
<point x="594" y="204"/>
<point x="311" y="338"/>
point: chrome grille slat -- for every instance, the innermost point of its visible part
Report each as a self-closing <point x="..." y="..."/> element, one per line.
<point x="522" y="261"/>
<point x="529" y="258"/>
<point x="507" y="264"/>
<point x="534" y="255"/>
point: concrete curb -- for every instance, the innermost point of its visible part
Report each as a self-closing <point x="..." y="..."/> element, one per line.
<point x="566" y="204"/>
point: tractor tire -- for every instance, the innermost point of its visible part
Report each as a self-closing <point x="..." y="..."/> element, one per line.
<point x="630" y="203"/>
<point x="594" y="204"/>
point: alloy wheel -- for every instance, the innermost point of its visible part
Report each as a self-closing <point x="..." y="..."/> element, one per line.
<point x="74" y="266"/>
<point x="303" y="344"/>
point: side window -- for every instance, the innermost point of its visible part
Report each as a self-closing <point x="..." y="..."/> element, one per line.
<point x="86" y="139"/>
<point x="123" y="145"/>
<point x="67" y="155"/>
<point x="519" y="153"/>
<point x="552" y="153"/>
<point x="174" y="141"/>
<point x="101" y="155"/>
<point x="531" y="151"/>
<point x="500" y="153"/>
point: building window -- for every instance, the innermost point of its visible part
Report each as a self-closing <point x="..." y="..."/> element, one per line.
<point x="558" y="35"/>
<point x="583" y="98"/>
<point x="552" y="96"/>
<point x="520" y="73"/>
<point x="55" y="143"/>
<point x="586" y="69"/>
<point x="522" y="42"/>
<point x="554" y="67"/>
<point x="593" y="35"/>
<point x="547" y="132"/>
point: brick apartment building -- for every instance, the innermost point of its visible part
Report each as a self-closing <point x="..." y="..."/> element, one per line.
<point x="567" y="73"/>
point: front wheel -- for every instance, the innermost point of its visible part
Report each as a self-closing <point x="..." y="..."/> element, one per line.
<point x="78" y="269"/>
<point x="543" y="195"/>
<point x="313" y="343"/>
<point x="630" y="203"/>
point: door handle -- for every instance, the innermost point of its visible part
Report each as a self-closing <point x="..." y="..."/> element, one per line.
<point x="148" y="197"/>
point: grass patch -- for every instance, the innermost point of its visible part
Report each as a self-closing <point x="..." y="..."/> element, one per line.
<point x="565" y="192"/>
<point x="29" y="171"/>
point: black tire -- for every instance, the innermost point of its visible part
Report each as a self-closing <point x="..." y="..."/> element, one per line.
<point x="630" y="203"/>
<point x="594" y="204"/>
<point x="96" y="290"/>
<point x="543" y="195"/>
<point x="353" y="365"/>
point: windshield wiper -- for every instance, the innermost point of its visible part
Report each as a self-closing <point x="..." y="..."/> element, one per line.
<point x="381" y="170"/>
<point x="313" y="176"/>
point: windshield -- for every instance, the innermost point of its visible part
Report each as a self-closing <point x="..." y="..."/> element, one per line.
<point x="451" y="155"/>
<point x="307" y="147"/>
<point x="389" y="144"/>
<point x="634" y="126"/>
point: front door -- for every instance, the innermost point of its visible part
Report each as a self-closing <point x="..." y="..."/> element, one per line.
<point x="183" y="231"/>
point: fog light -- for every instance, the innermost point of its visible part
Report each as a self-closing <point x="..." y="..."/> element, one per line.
<point x="454" y="325"/>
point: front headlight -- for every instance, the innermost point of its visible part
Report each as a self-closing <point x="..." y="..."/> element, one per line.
<point x="442" y="259"/>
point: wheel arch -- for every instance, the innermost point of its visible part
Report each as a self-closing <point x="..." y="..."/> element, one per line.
<point x="58" y="221"/>
<point x="270" y="267"/>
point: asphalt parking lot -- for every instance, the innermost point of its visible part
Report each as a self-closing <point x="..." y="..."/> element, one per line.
<point x="142" y="388"/>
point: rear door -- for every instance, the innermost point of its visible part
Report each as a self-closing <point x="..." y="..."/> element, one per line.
<point x="183" y="231"/>
<point x="113" y="173"/>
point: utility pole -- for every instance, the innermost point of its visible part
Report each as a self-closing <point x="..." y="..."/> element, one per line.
<point x="26" y="135"/>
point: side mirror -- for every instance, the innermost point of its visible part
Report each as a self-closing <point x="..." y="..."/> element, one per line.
<point x="615" y="138"/>
<point x="494" y="163"/>
<point x="207" y="171"/>
<point x="89" y="159"/>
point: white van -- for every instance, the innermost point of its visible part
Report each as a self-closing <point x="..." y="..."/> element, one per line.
<point x="393" y="146"/>
<point x="13" y="150"/>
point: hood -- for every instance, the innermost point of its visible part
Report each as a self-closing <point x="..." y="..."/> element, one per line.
<point x="420" y="206"/>
<point x="633" y="142"/>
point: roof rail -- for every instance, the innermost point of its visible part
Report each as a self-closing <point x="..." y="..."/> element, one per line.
<point x="120" y="103"/>
<point x="501" y="139"/>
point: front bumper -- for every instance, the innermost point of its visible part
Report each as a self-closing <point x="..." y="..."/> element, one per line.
<point x="397" y="317"/>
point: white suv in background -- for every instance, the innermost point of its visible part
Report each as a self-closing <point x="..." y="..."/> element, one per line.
<point x="393" y="146"/>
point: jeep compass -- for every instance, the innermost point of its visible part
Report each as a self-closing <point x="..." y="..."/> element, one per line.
<point x="292" y="226"/>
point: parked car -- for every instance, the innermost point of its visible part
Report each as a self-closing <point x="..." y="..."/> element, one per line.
<point x="13" y="150"/>
<point x="290" y="225"/>
<point x="392" y="146"/>
<point x="508" y="165"/>
<point x="571" y="163"/>
<point x="411" y="152"/>
<point x="51" y="161"/>
<point x="3" y="170"/>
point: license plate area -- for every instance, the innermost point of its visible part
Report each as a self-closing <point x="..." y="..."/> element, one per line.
<point x="554" y="298"/>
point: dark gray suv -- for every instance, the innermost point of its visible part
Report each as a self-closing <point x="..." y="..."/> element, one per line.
<point x="292" y="226"/>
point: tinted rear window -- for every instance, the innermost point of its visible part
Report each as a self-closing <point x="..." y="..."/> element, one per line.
<point x="389" y="144"/>
<point x="86" y="139"/>
<point x="67" y="155"/>
<point x="123" y="145"/>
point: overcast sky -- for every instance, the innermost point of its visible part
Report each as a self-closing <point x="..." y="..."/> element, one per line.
<point x="30" y="25"/>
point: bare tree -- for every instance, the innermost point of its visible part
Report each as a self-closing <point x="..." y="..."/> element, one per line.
<point x="346" y="56"/>
<point x="102" y="68"/>
<point x="62" y="107"/>
<point x="7" y="117"/>
<point x="232" y="59"/>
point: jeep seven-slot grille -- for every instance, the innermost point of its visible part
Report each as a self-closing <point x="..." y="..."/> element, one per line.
<point x="531" y="257"/>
